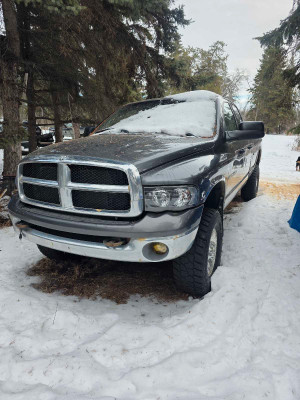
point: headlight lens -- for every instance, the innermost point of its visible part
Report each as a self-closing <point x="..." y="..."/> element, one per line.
<point x="160" y="197"/>
<point x="170" y="198"/>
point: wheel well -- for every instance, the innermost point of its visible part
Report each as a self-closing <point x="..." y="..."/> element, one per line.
<point x="215" y="198"/>
<point x="258" y="157"/>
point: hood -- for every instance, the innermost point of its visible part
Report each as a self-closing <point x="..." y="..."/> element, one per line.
<point x="145" y="151"/>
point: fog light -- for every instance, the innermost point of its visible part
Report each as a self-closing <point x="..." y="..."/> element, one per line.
<point x="159" y="248"/>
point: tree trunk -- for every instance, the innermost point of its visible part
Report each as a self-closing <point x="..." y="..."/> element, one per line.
<point x="11" y="27"/>
<point x="10" y="137"/>
<point x="76" y="128"/>
<point x="57" y="119"/>
<point x="31" y="112"/>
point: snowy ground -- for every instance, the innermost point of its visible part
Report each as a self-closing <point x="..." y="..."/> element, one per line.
<point x="242" y="341"/>
<point x="278" y="161"/>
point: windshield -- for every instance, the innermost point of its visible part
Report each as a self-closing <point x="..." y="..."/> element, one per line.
<point x="167" y="116"/>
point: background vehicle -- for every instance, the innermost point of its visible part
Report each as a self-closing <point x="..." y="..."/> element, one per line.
<point x="43" y="139"/>
<point x="152" y="187"/>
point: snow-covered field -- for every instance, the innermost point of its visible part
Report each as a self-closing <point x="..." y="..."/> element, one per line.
<point x="278" y="162"/>
<point x="242" y="341"/>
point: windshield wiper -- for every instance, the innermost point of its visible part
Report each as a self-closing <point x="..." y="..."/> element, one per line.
<point x="102" y="130"/>
<point x="106" y="129"/>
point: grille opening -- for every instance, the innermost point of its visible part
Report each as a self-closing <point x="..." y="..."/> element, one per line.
<point x="97" y="175"/>
<point x="41" y="193"/>
<point x="46" y="171"/>
<point x="101" y="200"/>
<point x="71" y="235"/>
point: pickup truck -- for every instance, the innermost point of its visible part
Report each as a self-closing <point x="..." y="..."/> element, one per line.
<point x="149" y="185"/>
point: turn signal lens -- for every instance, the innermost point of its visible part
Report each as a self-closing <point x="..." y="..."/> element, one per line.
<point x="184" y="197"/>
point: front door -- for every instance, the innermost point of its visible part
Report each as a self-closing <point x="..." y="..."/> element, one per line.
<point x="237" y="168"/>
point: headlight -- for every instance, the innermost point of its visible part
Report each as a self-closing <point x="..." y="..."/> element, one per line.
<point x="170" y="198"/>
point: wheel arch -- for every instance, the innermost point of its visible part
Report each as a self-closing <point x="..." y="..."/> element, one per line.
<point x="258" y="158"/>
<point x="215" y="197"/>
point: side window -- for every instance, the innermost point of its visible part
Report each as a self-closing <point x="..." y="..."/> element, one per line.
<point x="229" y="119"/>
<point x="237" y="113"/>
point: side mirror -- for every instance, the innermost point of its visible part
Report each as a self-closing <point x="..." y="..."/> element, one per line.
<point x="88" y="130"/>
<point x="247" y="130"/>
<point x="252" y="126"/>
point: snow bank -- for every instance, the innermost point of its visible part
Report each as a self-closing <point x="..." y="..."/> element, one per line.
<point x="278" y="161"/>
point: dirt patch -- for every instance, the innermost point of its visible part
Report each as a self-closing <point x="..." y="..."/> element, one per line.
<point x="4" y="217"/>
<point x="116" y="281"/>
<point x="288" y="191"/>
<point x="234" y="206"/>
<point x="4" y="222"/>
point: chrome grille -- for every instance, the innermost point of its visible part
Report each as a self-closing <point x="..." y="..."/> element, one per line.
<point x="46" y="171"/>
<point x="88" y="186"/>
<point x="96" y="200"/>
<point x="41" y="193"/>
<point x="97" y="176"/>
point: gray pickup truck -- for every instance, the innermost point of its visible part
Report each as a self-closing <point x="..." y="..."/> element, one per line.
<point x="149" y="185"/>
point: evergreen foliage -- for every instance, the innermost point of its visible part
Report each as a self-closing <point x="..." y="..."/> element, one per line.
<point x="272" y="96"/>
<point x="99" y="60"/>
<point x="287" y="35"/>
<point x="198" y="69"/>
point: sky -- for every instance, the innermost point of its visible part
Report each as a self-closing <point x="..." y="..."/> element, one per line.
<point x="235" y="22"/>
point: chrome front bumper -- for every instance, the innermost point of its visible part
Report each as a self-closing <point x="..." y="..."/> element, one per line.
<point x="136" y="250"/>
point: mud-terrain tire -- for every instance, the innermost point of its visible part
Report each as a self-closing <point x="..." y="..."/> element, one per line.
<point x="249" y="191"/>
<point x="56" y="255"/>
<point x="193" y="270"/>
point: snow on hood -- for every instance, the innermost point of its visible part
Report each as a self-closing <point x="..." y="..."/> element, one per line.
<point x="196" y="95"/>
<point x="192" y="113"/>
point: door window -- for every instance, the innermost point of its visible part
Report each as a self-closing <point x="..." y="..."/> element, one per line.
<point x="229" y="119"/>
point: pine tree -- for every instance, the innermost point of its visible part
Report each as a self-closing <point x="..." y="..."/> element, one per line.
<point x="287" y="36"/>
<point x="272" y="96"/>
<point x="84" y="58"/>
<point x="11" y="75"/>
<point x="9" y="63"/>
<point x="195" y="69"/>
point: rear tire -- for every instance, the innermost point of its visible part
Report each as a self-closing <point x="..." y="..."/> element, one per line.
<point x="192" y="271"/>
<point x="56" y="255"/>
<point x="249" y="191"/>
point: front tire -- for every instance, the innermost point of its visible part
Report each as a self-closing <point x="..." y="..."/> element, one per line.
<point x="249" y="191"/>
<point x="192" y="271"/>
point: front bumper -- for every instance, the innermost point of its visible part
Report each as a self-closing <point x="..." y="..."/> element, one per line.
<point x="136" y="250"/>
<point x="176" y="230"/>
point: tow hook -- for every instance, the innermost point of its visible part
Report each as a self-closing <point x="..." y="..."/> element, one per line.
<point x="21" y="225"/>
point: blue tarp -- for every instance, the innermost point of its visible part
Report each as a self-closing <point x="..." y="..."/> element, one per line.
<point x="295" y="220"/>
